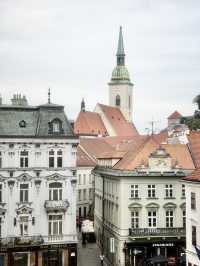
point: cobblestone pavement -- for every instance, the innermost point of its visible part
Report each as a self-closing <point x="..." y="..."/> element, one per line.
<point x="88" y="255"/>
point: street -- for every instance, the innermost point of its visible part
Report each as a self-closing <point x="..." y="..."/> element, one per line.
<point x="88" y="255"/>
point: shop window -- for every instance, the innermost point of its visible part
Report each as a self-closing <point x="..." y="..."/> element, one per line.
<point x="23" y="192"/>
<point x="55" y="191"/>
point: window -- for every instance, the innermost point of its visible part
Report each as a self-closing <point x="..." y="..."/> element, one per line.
<point x="24" y="159"/>
<point x="90" y="193"/>
<point x="59" y="158"/>
<point x="0" y="159"/>
<point x="0" y="192"/>
<point x="23" y="192"/>
<point x="184" y="218"/>
<point x="90" y="179"/>
<point x="134" y="219"/>
<point x="134" y="191"/>
<point x="55" y="224"/>
<point x="84" y="194"/>
<point x="169" y="191"/>
<point x="194" y="235"/>
<point x="183" y="190"/>
<point x="152" y="218"/>
<point x="56" y="127"/>
<point x="55" y="191"/>
<point x="23" y="223"/>
<point x="51" y="159"/>
<point x="84" y="179"/>
<point x="169" y="218"/>
<point x="151" y="191"/>
<point x="117" y="101"/>
<point x="193" y="201"/>
<point x="79" y="179"/>
<point x="79" y="195"/>
<point x="0" y="226"/>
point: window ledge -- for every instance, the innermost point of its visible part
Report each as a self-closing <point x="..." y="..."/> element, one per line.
<point x="183" y="197"/>
<point x="150" y="198"/>
<point x="169" y="197"/>
<point x="136" y="198"/>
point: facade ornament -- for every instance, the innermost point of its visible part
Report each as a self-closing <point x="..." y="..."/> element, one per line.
<point x="38" y="183"/>
<point x="11" y="184"/>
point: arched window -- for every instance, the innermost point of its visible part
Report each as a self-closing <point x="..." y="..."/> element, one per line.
<point x="55" y="191"/>
<point x="55" y="126"/>
<point x="117" y="100"/>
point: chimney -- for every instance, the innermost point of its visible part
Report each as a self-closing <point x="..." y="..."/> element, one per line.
<point x="18" y="100"/>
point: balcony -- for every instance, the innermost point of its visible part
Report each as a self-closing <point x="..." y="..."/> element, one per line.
<point x="157" y="232"/>
<point x="28" y="241"/>
<point x="56" y="205"/>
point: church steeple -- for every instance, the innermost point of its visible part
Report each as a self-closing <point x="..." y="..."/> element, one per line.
<point x="120" y="50"/>
<point x="83" y="105"/>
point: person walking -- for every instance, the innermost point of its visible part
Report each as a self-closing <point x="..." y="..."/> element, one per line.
<point x="102" y="259"/>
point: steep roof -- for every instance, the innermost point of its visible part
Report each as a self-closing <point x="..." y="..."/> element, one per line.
<point x="175" y="115"/>
<point x="194" y="176"/>
<point x="83" y="159"/>
<point x="36" y="119"/>
<point x="89" y="123"/>
<point x="194" y="142"/>
<point x="118" y="121"/>
<point x="178" y="152"/>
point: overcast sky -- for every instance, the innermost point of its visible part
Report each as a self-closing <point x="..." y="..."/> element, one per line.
<point x="70" y="46"/>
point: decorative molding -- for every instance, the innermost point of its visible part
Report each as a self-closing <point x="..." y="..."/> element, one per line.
<point x="55" y="177"/>
<point x="135" y="205"/>
<point x="24" y="208"/>
<point x="24" y="177"/>
<point x="169" y="205"/>
<point x="152" y="205"/>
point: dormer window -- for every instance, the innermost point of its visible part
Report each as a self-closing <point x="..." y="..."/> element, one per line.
<point x="55" y="126"/>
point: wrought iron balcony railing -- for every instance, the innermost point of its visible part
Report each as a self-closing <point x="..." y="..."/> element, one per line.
<point x="56" y="205"/>
<point x="157" y="232"/>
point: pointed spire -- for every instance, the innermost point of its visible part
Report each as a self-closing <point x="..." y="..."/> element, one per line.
<point x="120" y="49"/>
<point x="49" y="96"/>
<point x="83" y="105"/>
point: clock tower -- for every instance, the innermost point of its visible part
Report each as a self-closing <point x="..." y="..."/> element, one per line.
<point x="120" y="86"/>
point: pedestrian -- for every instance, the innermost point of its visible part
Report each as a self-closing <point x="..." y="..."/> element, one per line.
<point x="102" y="259"/>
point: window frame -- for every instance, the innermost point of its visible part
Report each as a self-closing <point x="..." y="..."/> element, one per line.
<point x="134" y="191"/>
<point x="24" y="159"/>
<point x="169" y="218"/>
<point x="55" y="191"/>
<point x="134" y="219"/>
<point x="151" y="190"/>
<point x="152" y="218"/>
<point x="55" y="224"/>
<point x="24" y="192"/>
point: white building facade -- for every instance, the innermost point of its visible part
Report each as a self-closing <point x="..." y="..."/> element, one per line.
<point x="142" y="211"/>
<point x="192" y="183"/>
<point x="37" y="186"/>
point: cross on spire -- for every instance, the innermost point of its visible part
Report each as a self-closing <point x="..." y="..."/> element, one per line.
<point x="49" y="96"/>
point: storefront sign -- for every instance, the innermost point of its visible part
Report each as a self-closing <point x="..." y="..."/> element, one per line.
<point x="163" y="245"/>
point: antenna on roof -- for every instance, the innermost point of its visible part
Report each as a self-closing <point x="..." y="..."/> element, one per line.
<point x="49" y="96"/>
<point x="152" y="126"/>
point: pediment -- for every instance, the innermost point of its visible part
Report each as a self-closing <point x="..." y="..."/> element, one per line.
<point x="2" y="178"/>
<point x="153" y="205"/>
<point x="55" y="146"/>
<point x="135" y="205"/>
<point x="24" y="209"/>
<point x="24" y="178"/>
<point x="169" y="205"/>
<point x="55" y="177"/>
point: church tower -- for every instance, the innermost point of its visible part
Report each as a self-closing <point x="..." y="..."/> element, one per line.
<point x="120" y="86"/>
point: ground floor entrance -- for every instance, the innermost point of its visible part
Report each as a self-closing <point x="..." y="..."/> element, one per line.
<point x="44" y="255"/>
<point x="157" y="252"/>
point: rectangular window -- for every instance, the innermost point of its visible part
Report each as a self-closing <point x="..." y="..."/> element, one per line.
<point x="79" y="195"/>
<point x="193" y="201"/>
<point x="134" y="219"/>
<point x="0" y="160"/>
<point x="90" y="179"/>
<point x="152" y="219"/>
<point x="23" y="223"/>
<point x="24" y="159"/>
<point x="183" y="190"/>
<point x="84" y="194"/>
<point x="55" y="225"/>
<point x="79" y="179"/>
<point x="23" y="192"/>
<point x="169" y="218"/>
<point x="55" y="191"/>
<point x="59" y="158"/>
<point x="90" y="193"/>
<point x="1" y="193"/>
<point x="184" y="218"/>
<point x="169" y="191"/>
<point x="134" y="191"/>
<point x="194" y="235"/>
<point x="151" y="191"/>
<point x="84" y="179"/>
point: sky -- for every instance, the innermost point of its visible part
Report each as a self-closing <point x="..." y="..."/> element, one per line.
<point x="70" y="46"/>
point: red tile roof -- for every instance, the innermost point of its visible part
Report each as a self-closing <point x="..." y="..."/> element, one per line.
<point x="194" y="176"/>
<point x="118" y="121"/>
<point x="83" y="159"/>
<point x="194" y="142"/>
<point x="175" y="115"/>
<point x="89" y="123"/>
